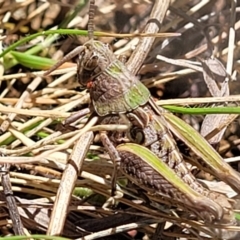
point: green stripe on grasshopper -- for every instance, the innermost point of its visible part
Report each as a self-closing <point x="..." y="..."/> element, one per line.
<point x="204" y="150"/>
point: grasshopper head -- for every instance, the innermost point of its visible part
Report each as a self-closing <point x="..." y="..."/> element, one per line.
<point x="92" y="61"/>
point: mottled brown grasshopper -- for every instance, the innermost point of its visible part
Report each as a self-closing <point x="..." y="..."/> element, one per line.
<point x="147" y="151"/>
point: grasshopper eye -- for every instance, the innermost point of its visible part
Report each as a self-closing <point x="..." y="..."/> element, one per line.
<point x="91" y="63"/>
<point x="87" y="67"/>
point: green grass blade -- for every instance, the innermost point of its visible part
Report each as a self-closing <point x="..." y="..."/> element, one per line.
<point x="203" y="110"/>
<point x="64" y="32"/>
<point x="31" y="61"/>
<point x="45" y="33"/>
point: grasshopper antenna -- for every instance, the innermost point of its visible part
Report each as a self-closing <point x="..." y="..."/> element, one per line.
<point x="91" y="14"/>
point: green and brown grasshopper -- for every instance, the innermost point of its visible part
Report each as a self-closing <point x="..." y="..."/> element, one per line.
<point x="147" y="151"/>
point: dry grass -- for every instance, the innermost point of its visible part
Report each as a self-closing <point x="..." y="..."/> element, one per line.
<point x="32" y="106"/>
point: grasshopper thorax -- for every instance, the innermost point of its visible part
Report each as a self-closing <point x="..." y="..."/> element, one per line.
<point x="113" y="88"/>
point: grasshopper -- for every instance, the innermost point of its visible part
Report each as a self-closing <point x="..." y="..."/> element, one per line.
<point x="117" y="96"/>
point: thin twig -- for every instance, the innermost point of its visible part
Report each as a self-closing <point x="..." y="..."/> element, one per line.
<point x="154" y="24"/>
<point x="73" y="169"/>
<point x="10" y="200"/>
